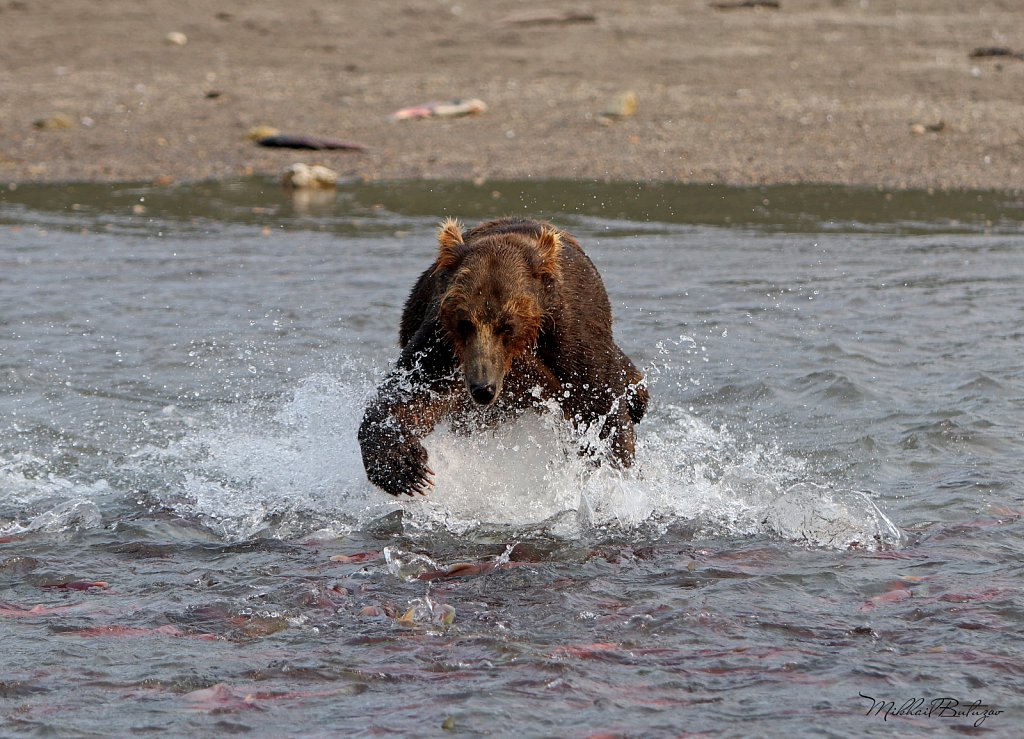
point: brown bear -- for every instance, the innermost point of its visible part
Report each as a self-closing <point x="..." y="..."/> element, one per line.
<point x="511" y="315"/>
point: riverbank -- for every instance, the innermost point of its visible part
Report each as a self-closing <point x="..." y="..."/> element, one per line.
<point x="818" y="91"/>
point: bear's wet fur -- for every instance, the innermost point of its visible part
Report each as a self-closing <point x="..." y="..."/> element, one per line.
<point x="511" y="314"/>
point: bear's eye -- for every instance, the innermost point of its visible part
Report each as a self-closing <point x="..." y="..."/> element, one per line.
<point x="504" y="330"/>
<point x="464" y="328"/>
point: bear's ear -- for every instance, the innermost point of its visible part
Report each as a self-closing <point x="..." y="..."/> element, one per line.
<point x="450" y="239"/>
<point x="549" y="248"/>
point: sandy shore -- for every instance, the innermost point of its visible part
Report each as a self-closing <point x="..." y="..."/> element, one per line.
<point x="860" y="92"/>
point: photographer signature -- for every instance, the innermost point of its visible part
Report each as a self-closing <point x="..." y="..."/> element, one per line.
<point x="935" y="708"/>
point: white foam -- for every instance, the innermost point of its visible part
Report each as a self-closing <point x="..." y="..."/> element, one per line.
<point x="252" y="471"/>
<point x="38" y="500"/>
<point x="245" y="469"/>
<point x="44" y="501"/>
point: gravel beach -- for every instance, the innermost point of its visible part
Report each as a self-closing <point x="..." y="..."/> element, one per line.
<point x="854" y="92"/>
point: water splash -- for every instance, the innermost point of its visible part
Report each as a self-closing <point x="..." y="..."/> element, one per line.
<point x="36" y="499"/>
<point x="408" y="566"/>
<point x="298" y="468"/>
<point x="812" y="514"/>
<point x="250" y="471"/>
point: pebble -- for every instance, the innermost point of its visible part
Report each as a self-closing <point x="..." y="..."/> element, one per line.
<point x="922" y="128"/>
<point x="621" y="106"/>
<point x="261" y="132"/>
<point x="55" y="122"/>
<point x="301" y="175"/>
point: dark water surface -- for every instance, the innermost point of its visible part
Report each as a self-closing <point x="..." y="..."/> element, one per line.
<point x="827" y="502"/>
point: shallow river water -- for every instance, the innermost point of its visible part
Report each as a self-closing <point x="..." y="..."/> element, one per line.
<point x="822" y="535"/>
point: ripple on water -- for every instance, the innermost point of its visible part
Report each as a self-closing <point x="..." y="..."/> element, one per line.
<point x="829" y="385"/>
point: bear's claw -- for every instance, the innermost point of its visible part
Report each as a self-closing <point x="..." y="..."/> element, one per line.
<point x="397" y="466"/>
<point x="424" y="484"/>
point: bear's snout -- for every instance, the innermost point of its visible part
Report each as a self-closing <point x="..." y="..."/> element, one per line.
<point x="483" y="394"/>
<point x="483" y="382"/>
<point x="483" y="366"/>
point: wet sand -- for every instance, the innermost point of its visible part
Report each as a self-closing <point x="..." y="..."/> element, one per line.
<point x="852" y="92"/>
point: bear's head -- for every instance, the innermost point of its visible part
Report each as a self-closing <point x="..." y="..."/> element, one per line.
<point x="493" y="307"/>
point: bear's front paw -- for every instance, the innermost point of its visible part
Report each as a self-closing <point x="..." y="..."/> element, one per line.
<point x="400" y="469"/>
